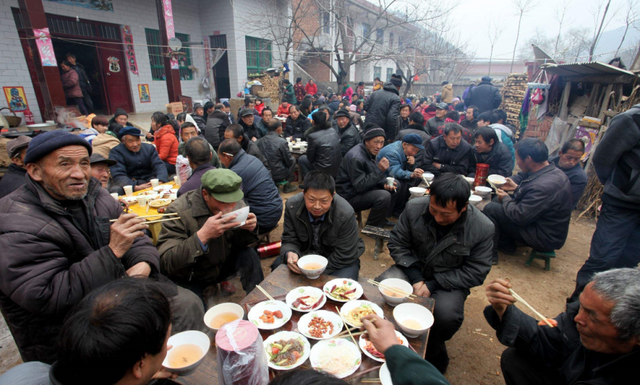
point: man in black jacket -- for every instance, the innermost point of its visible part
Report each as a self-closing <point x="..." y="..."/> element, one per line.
<point x="434" y="124"/>
<point x="276" y="150"/>
<point x="442" y="246"/>
<point x="539" y="212"/>
<point x="217" y="123"/>
<point x="448" y="152"/>
<point x="252" y="124"/>
<point x="318" y="221"/>
<point x="616" y="242"/>
<point x="485" y="96"/>
<point x="323" y="152"/>
<point x="14" y="177"/>
<point x="596" y="341"/>
<point x="362" y="182"/>
<point x="383" y="107"/>
<point x="235" y="131"/>
<point x="198" y="117"/>
<point x="296" y="124"/>
<point x="489" y="150"/>
<point x="568" y="160"/>
<point x="348" y="133"/>
<point x="470" y="121"/>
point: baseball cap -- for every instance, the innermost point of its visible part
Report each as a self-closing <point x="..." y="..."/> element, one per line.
<point x="16" y="145"/>
<point x="246" y="112"/>
<point x="414" y="139"/>
<point x="97" y="158"/>
<point x="223" y="185"/>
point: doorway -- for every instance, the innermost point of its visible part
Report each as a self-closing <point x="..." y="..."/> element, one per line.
<point x="221" y="69"/>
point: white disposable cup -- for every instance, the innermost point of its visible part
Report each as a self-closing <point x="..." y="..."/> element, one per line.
<point x="128" y="190"/>
<point x="115" y="196"/>
<point x="155" y="182"/>
<point x="176" y="179"/>
<point x="142" y="200"/>
<point x="390" y="181"/>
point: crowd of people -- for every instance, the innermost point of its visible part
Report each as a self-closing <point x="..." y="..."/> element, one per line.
<point x="68" y="244"/>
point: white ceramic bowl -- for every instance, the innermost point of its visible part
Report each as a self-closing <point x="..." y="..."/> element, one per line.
<point x="469" y="180"/>
<point x="242" y="215"/>
<point x="475" y="199"/>
<point x="417" y="191"/>
<point x="312" y="258"/>
<point x="497" y="180"/>
<point x="385" y="375"/>
<point x="227" y="307"/>
<point x="483" y="191"/>
<point x="415" y="312"/>
<point x="428" y="177"/>
<point x="393" y="298"/>
<point x="190" y="337"/>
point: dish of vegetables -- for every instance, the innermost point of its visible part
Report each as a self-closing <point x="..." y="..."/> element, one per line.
<point x="286" y="350"/>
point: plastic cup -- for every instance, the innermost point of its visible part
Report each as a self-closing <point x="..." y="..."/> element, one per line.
<point x="142" y="200"/>
<point x="155" y="182"/>
<point x="115" y="196"/>
<point x="390" y="181"/>
<point x="128" y="190"/>
<point x="176" y="179"/>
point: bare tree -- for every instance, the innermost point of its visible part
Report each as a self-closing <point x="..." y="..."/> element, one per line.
<point x="494" y="32"/>
<point x="561" y="12"/>
<point x="522" y="7"/>
<point x="598" y="30"/>
<point x="630" y="16"/>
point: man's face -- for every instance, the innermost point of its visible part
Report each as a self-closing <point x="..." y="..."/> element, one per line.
<point x="469" y="114"/>
<point x="404" y="113"/>
<point x="228" y="134"/>
<point x="440" y="113"/>
<point x="444" y="216"/>
<point x="18" y="160"/>
<point x="570" y="159"/>
<point x="145" y="369"/>
<point x="122" y="120"/>
<point x="294" y="113"/>
<point x="101" y="128"/>
<point x="452" y="139"/>
<point x="100" y="171"/>
<point x="64" y="173"/>
<point x="374" y="145"/>
<point x="200" y="111"/>
<point x="224" y="159"/>
<point x="523" y="164"/>
<point x="409" y="149"/>
<point x="593" y="322"/>
<point x="318" y="202"/>
<point x="71" y="60"/>
<point x="65" y="67"/>
<point x="248" y="120"/>
<point x="215" y="206"/>
<point x="483" y="147"/>
<point x="132" y="142"/>
<point x="225" y="109"/>
<point x="267" y="115"/>
<point x="188" y="133"/>
<point x="483" y="123"/>
<point x="342" y="121"/>
<point x="251" y="105"/>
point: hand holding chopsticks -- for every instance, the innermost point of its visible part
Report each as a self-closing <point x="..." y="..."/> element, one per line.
<point x="537" y="313"/>
<point x="403" y="293"/>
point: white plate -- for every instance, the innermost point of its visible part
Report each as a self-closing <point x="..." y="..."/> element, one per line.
<point x="385" y="375"/>
<point x="163" y="187"/>
<point x="363" y="345"/>
<point x="347" y="307"/>
<point x="342" y="350"/>
<point x="340" y="282"/>
<point x="303" y="323"/>
<point x="287" y="336"/>
<point x="129" y="199"/>
<point x="258" y="310"/>
<point x="305" y="291"/>
<point x="242" y="213"/>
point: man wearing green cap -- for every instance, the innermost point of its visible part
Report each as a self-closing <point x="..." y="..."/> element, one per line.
<point x="203" y="248"/>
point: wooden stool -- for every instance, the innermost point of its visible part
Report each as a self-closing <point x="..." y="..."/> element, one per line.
<point x="546" y="256"/>
<point x="281" y="184"/>
<point x="379" y="235"/>
<point x="359" y="218"/>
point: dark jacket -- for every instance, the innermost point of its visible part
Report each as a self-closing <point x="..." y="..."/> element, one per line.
<point x="215" y="161"/>
<point x="181" y="255"/>
<point x="358" y="173"/>
<point x="617" y="160"/>
<point x="12" y="180"/>
<point x="276" y="151"/>
<point x="289" y="94"/>
<point x="217" y="123"/>
<point x="560" y="348"/>
<point x="49" y="263"/>
<point x="460" y="260"/>
<point x="324" y="150"/>
<point x="260" y="193"/>
<point x="256" y="130"/>
<point x="251" y="148"/>
<point x="541" y="207"/>
<point x="485" y="96"/>
<point x="383" y="109"/>
<point x="349" y="137"/>
<point x="498" y="159"/>
<point x="472" y="126"/>
<point x="193" y="182"/>
<point x="408" y="368"/>
<point x="134" y="168"/>
<point x="434" y="125"/>
<point x="453" y="160"/>
<point x="83" y="79"/>
<point x="296" y="128"/>
<point x="338" y="236"/>
<point x="200" y="122"/>
<point x="577" y="178"/>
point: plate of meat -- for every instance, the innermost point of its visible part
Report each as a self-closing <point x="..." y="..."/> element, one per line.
<point x="370" y="350"/>
<point x="269" y="315"/>
<point x="320" y="325"/>
<point x="305" y="299"/>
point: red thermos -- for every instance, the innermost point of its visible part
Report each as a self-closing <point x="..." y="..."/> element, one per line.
<point x="482" y="172"/>
<point x="269" y="250"/>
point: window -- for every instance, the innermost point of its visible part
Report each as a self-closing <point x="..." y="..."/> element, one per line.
<point x="366" y="30"/>
<point x="400" y="42"/>
<point x="391" y="40"/>
<point x="156" y="58"/>
<point x="389" y="73"/>
<point x="258" y="54"/>
<point x="377" y="72"/>
<point x="379" y="36"/>
<point x="325" y="22"/>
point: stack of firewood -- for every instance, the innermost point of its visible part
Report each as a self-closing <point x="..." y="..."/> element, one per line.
<point x="270" y="87"/>
<point x="513" y="93"/>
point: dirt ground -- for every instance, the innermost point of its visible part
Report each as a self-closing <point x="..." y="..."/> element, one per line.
<point x="474" y="350"/>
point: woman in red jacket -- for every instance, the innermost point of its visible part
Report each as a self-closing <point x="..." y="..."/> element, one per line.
<point x="311" y="87"/>
<point x="165" y="140"/>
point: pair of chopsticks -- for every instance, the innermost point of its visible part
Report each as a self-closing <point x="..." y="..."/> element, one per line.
<point x="410" y="296"/>
<point x="370" y="380"/>
<point x="163" y="220"/>
<point x="345" y="323"/>
<point x="153" y="216"/>
<point x="344" y="333"/>
<point x="265" y="293"/>
<point x="493" y="186"/>
<point x="519" y="299"/>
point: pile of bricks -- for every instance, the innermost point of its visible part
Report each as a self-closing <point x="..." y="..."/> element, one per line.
<point x="513" y="93"/>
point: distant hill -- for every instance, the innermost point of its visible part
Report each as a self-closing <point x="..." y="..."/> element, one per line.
<point x="609" y="41"/>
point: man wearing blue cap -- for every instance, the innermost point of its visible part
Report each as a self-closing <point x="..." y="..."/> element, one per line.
<point x="138" y="162"/>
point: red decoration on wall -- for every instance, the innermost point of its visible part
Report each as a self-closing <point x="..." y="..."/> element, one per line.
<point x="127" y="36"/>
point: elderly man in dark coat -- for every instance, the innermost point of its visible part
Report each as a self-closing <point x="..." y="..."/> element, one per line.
<point x="485" y="96"/>
<point x="14" y="177"/>
<point x="347" y="131"/>
<point x="383" y="107"/>
<point x="281" y="163"/>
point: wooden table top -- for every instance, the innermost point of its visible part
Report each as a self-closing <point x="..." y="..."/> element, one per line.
<point x="278" y="284"/>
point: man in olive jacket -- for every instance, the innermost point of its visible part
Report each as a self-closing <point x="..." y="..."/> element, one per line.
<point x="442" y="246"/>
<point x="203" y="248"/>
<point x="320" y="222"/>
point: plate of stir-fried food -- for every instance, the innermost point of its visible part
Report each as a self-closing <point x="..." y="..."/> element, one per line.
<point x="305" y="299"/>
<point x="343" y="289"/>
<point x="367" y="346"/>
<point x="353" y="311"/>
<point x="286" y="350"/>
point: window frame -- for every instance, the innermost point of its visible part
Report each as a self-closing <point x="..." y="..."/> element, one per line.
<point x="156" y="58"/>
<point x="377" y="72"/>
<point x="258" y="56"/>
<point x="390" y="72"/>
<point x="379" y="36"/>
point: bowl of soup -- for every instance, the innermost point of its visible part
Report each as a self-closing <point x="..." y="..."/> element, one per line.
<point x="413" y="319"/>
<point x="475" y="199"/>
<point x="417" y="192"/>
<point x="222" y="314"/>
<point x="483" y="191"/>
<point x="187" y="352"/>
<point x="395" y="290"/>
<point x="497" y="180"/>
<point x="312" y="265"/>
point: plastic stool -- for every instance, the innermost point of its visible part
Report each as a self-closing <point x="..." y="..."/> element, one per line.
<point x="546" y="256"/>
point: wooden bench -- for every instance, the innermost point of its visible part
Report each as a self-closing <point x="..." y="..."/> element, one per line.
<point x="379" y="235"/>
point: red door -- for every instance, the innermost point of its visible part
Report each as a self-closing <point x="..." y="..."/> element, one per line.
<point x="114" y="72"/>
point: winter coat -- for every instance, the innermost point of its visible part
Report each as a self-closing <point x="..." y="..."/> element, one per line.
<point x="166" y="144"/>
<point x="398" y="166"/>
<point x="193" y="182"/>
<point x="453" y="160"/>
<point x="296" y="128"/>
<point x="83" y="79"/>
<point x="260" y="193"/>
<point x="617" y="160"/>
<point x="506" y="136"/>
<point x="49" y="263"/>
<point x="359" y="173"/>
<point x="498" y="159"/>
<point x="12" y="180"/>
<point x="434" y="125"/>
<point x="349" y="137"/>
<point x="217" y="123"/>
<point x="324" y="150"/>
<point x="402" y="123"/>
<point x="103" y="143"/>
<point x="182" y="258"/>
<point x="251" y="148"/>
<point x="259" y="108"/>
<point x="71" y="84"/>
<point x="276" y="151"/>
<point x="560" y="347"/>
<point x="383" y="109"/>
<point x="215" y="161"/>
<point x="136" y="168"/>
<point x="201" y="123"/>
<point x="472" y="126"/>
<point x="446" y="95"/>
<point x="460" y="260"/>
<point x="420" y="130"/>
<point x="298" y="88"/>
<point x="541" y="207"/>
<point x="289" y="94"/>
<point x="283" y="110"/>
<point x="348" y="93"/>
<point x="256" y="130"/>
<point x="311" y="89"/>
<point x="485" y="96"/>
<point x="577" y="178"/>
<point x="338" y="236"/>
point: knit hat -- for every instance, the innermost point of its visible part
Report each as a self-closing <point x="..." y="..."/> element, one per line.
<point x="396" y="80"/>
<point x="373" y="131"/>
<point x="455" y="100"/>
<point x="342" y="113"/>
<point x="120" y="111"/>
<point x="46" y="143"/>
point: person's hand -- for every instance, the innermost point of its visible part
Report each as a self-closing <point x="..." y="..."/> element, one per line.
<point x="124" y="231"/>
<point x="163" y="373"/>
<point x="142" y="186"/>
<point x="510" y="185"/>
<point x="254" y="139"/>
<point x="250" y="223"/>
<point x="383" y="164"/>
<point x="215" y="226"/>
<point x="499" y="296"/>
<point x="501" y="194"/>
<point x="381" y="332"/>
<point x="391" y="188"/>
<point x="436" y="165"/>
<point x="139" y="270"/>
<point x="292" y="262"/>
<point x="411" y="160"/>
<point x="421" y="289"/>
<point x="149" y="135"/>
<point x="417" y="173"/>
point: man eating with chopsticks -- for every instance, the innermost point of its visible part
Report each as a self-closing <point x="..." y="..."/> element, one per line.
<point x="58" y="244"/>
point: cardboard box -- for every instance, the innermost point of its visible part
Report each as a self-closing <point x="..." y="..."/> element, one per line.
<point x="174" y="108"/>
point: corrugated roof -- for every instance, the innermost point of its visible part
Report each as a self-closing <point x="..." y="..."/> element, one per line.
<point x="585" y="69"/>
